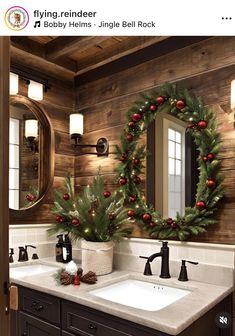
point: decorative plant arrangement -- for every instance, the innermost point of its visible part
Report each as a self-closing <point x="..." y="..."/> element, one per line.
<point x="71" y="274"/>
<point x="97" y="215"/>
<point x="201" y="123"/>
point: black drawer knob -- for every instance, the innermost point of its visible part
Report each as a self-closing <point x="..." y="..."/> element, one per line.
<point x="39" y="308"/>
<point x="92" y="326"/>
<point x="25" y="334"/>
<point x="34" y="303"/>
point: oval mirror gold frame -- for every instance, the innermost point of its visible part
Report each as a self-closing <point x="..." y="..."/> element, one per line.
<point x="46" y="155"/>
<point x="201" y="123"/>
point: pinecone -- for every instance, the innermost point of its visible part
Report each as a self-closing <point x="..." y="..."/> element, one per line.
<point x="89" y="278"/>
<point x="66" y="278"/>
<point x="79" y="272"/>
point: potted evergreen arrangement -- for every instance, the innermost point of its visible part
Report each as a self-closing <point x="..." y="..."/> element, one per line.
<point x="97" y="217"/>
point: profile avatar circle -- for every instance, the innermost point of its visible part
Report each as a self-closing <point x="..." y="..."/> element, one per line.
<point x="16" y="18"/>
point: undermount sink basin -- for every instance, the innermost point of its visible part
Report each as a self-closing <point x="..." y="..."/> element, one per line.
<point x="22" y="271"/>
<point x="140" y="294"/>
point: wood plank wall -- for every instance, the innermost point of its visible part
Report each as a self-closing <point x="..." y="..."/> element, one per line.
<point x="205" y="68"/>
<point x="58" y="103"/>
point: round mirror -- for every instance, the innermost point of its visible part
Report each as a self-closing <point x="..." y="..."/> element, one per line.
<point x="31" y="147"/>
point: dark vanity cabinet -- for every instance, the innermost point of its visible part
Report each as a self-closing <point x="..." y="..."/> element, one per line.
<point x="41" y="314"/>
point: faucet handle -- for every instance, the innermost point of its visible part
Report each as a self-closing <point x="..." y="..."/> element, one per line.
<point x="147" y="269"/>
<point x="191" y="262"/>
<point x="183" y="276"/>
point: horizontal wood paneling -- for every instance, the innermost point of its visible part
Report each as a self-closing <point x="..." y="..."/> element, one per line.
<point x="206" y="69"/>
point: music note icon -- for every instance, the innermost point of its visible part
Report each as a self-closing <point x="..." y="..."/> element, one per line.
<point x="37" y="24"/>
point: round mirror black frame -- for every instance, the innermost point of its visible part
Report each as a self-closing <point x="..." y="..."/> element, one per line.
<point x="47" y="148"/>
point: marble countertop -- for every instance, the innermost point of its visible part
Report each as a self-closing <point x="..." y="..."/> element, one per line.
<point x="172" y="319"/>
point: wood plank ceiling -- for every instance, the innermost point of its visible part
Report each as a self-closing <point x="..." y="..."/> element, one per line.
<point x="65" y="57"/>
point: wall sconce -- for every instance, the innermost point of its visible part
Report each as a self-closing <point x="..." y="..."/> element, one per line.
<point x="14" y="83"/>
<point x="35" y="90"/>
<point x="76" y="132"/>
<point x="31" y="133"/>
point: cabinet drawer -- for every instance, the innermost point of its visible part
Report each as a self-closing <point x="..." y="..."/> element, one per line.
<point x="41" y="305"/>
<point x="32" y="326"/>
<point x="84" y="322"/>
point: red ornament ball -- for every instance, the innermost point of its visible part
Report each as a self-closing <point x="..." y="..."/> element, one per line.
<point x="160" y="100"/>
<point x="66" y="197"/>
<point x="129" y="137"/>
<point x="75" y="222"/>
<point x="210" y="156"/>
<point x="30" y="197"/>
<point x="200" y="205"/>
<point x="169" y="221"/>
<point x="152" y="108"/>
<point x="132" y="199"/>
<point x="131" y="124"/>
<point x="210" y="183"/>
<point x="131" y="213"/>
<point x="107" y="194"/>
<point x="123" y="157"/>
<point x="122" y="181"/>
<point x="174" y="225"/>
<point x="204" y="158"/>
<point x="202" y="124"/>
<point x="180" y="104"/>
<point x="152" y="224"/>
<point x="136" y="162"/>
<point x="58" y="217"/>
<point x="136" y="117"/>
<point x="147" y="217"/>
<point x="111" y="216"/>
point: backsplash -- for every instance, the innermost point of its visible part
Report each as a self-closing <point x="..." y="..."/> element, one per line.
<point x="35" y="234"/>
<point x="128" y="251"/>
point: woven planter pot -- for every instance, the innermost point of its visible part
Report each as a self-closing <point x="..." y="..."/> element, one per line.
<point x="97" y="257"/>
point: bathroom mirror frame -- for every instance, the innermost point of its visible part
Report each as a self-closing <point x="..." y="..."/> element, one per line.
<point x="46" y="157"/>
<point x="202" y="125"/>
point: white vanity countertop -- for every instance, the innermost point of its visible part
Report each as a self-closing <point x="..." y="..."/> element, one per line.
<point x="172" y="319"/>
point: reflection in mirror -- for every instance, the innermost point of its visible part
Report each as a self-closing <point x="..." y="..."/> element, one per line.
<point x="175" y="170"/>
<point x="24" y="157"/>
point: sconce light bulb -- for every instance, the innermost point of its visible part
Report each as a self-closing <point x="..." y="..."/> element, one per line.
<point x="232" y="94"/>
<point x="76" y="124"/>
<point x="35" y="90"/>
<point x="14" y="83"/>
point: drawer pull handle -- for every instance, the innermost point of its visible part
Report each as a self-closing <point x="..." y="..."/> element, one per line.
<point x="91" y="326"/>
<point x="25" y="334"/>
<point x="39" y="308"/>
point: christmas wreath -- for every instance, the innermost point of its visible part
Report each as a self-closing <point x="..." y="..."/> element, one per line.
<point x="201" y="123"/>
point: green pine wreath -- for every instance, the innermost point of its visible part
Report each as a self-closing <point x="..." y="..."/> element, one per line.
<point x="201" y="123"/>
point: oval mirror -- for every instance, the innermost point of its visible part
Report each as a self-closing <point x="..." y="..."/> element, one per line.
<point x="31" y="157"/>
<point x="200" y="122"/>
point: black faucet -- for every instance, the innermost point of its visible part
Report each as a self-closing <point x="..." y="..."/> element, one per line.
<point x="23" y="253"/>
<point x="164" y="253"/>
